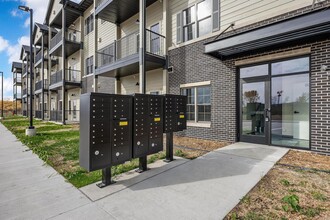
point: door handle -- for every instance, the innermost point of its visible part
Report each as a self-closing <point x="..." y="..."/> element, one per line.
<point x="296" y="112"/>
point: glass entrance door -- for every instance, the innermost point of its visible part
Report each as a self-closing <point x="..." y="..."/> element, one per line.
<point x="275" y="103"/>
<point x="255" y="111"/>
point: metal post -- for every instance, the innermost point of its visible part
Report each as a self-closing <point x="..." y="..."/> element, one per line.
<point x="106" y="178"/>
<point x="63" y="62"/>
<point x="42" y="78"/>
<point x="169" y="147"/>
<point x="31" y="69"/>
<point x="142" y="63"/>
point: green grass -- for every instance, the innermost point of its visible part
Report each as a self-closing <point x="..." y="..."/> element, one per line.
<point x="60" y="149"/>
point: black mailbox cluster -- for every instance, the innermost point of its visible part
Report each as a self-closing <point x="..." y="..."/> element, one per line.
<point x="148" y="124"/>
<point x="117" y="128"/>
<point x="175" y="113"/>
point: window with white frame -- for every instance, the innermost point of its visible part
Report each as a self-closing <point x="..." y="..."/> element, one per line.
<point x="198" y="103"/>
<point x="198" y="20"/>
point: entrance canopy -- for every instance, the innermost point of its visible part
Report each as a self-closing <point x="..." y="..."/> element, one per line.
<point x="302" y="27"/>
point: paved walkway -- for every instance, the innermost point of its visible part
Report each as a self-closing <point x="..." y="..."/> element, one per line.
<point x="205" y="188"/>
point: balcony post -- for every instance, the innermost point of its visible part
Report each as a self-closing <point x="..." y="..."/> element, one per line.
<point x="63" y="62"/>
<point x="142" y="66"/>
<point x="42" y="77"/>
<point x="95" y="77"/>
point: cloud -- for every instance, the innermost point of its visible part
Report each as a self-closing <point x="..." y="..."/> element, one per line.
<point x="3" y="44"/>
<point x="16" y="13"/>
<point x="7" y="88"/>
<point x="13" y="51"/>
<point x="39" y="10"/>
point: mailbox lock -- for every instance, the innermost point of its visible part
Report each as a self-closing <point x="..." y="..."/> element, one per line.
<point x="117" y="154"/>
<point x="138" y="143"/>
<point x="97" y="152"/>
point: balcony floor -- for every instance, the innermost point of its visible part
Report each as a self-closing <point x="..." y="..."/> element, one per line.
<point x="130" y="65"/>
<point x="70" y="48"/>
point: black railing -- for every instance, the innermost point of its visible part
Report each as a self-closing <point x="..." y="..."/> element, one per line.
<point x="70" y="35"/>
<point x="24" y="91"/>
<point x="17" y="96"/>
<point x="18" y="79"/>
<point x="56" y="116"/>
<point x="39" y="84"/>
<point x="56" y="77"/>
<point x="129" y="45"/>
<point x="38" y="56"/>
<point x="72" y="76"/>
<point x="37" y="114"/>
<point x="24" y="113"/>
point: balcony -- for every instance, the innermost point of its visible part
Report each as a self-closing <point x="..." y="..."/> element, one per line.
<point x="24" y="113"/>
<point x="117" y="11"/>
<point x="72" y="79"/>
<point x="72" y="39"/>
<point x="17" y="80"/>
<point x="17" y="96"/>
<point x="37" y="114"/>
<point x="24" y="92"/>
<point x="121" y="58"/>
<point x="71" y="116"/>
<point x="39" y="86"/>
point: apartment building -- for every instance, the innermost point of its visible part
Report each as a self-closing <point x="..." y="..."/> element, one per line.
<point x="16" y="69"/>
<point x="25" y="57"/>
<point x="253" y="71"/>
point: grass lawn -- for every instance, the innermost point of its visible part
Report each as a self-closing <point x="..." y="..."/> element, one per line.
<point x="297" y="187"/>
<point x="58" y="146"/>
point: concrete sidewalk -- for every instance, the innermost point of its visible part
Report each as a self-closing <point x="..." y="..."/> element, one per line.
<point x="205" y="188"/>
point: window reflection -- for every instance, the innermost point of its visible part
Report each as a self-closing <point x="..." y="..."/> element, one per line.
<point x="290" y="110"/>
<point x="291" y="66"/>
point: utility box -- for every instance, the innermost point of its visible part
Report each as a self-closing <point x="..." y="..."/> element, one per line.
<point x="148" y="124"/>
<point x="175" y="107"/>
<point x="105" y="130"/>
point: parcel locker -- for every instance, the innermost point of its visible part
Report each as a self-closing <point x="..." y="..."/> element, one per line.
<point x="105" y="130"/>
<point x="148" y="124"/>
<point x="175" y="113"/>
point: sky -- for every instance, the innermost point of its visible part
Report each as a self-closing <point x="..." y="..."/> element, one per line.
<point x="14" y="32"/>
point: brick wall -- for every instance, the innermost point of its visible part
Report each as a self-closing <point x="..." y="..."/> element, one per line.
<point x="192" y="65"/>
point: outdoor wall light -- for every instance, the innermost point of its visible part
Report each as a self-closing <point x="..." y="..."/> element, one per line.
<point x="324" y="68"/>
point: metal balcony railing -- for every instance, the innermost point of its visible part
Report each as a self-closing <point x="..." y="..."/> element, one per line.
<point x="18" y="79"/>
<point x="129" y="45"/>
<point x="56" y="77"/>
<point x="39" y="84"/>
<point x="24" y="91"/>
<point x="24" y="113"/>
<point x="72" y="75"/>
<point x="37" y="114"/>
<point x="18" y="96"/>
<point x="70" y="35"/>
<point x="55" y="115"/>
<point x="38" y="56"/>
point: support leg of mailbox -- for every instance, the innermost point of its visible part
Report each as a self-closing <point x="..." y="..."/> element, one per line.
<point x="106" y="178"/>
<point x="142" y="164"/>
<point x="169" y="147"/>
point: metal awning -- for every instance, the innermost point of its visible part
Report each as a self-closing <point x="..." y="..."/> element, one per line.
<point x="298" y="28"/>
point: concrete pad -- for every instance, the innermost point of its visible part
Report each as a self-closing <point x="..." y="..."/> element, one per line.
<point x="87" y="212"/>
<point x="205" y="188"/>
<point x="130" y="178"/>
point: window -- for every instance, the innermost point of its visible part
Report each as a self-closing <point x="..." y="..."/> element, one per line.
<point x="198" y="103"/>
<point x="89" y="65"/>
<point x="198" y="20"/>
<point x="89" y="24"/>
<point x="189" y="23"/>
